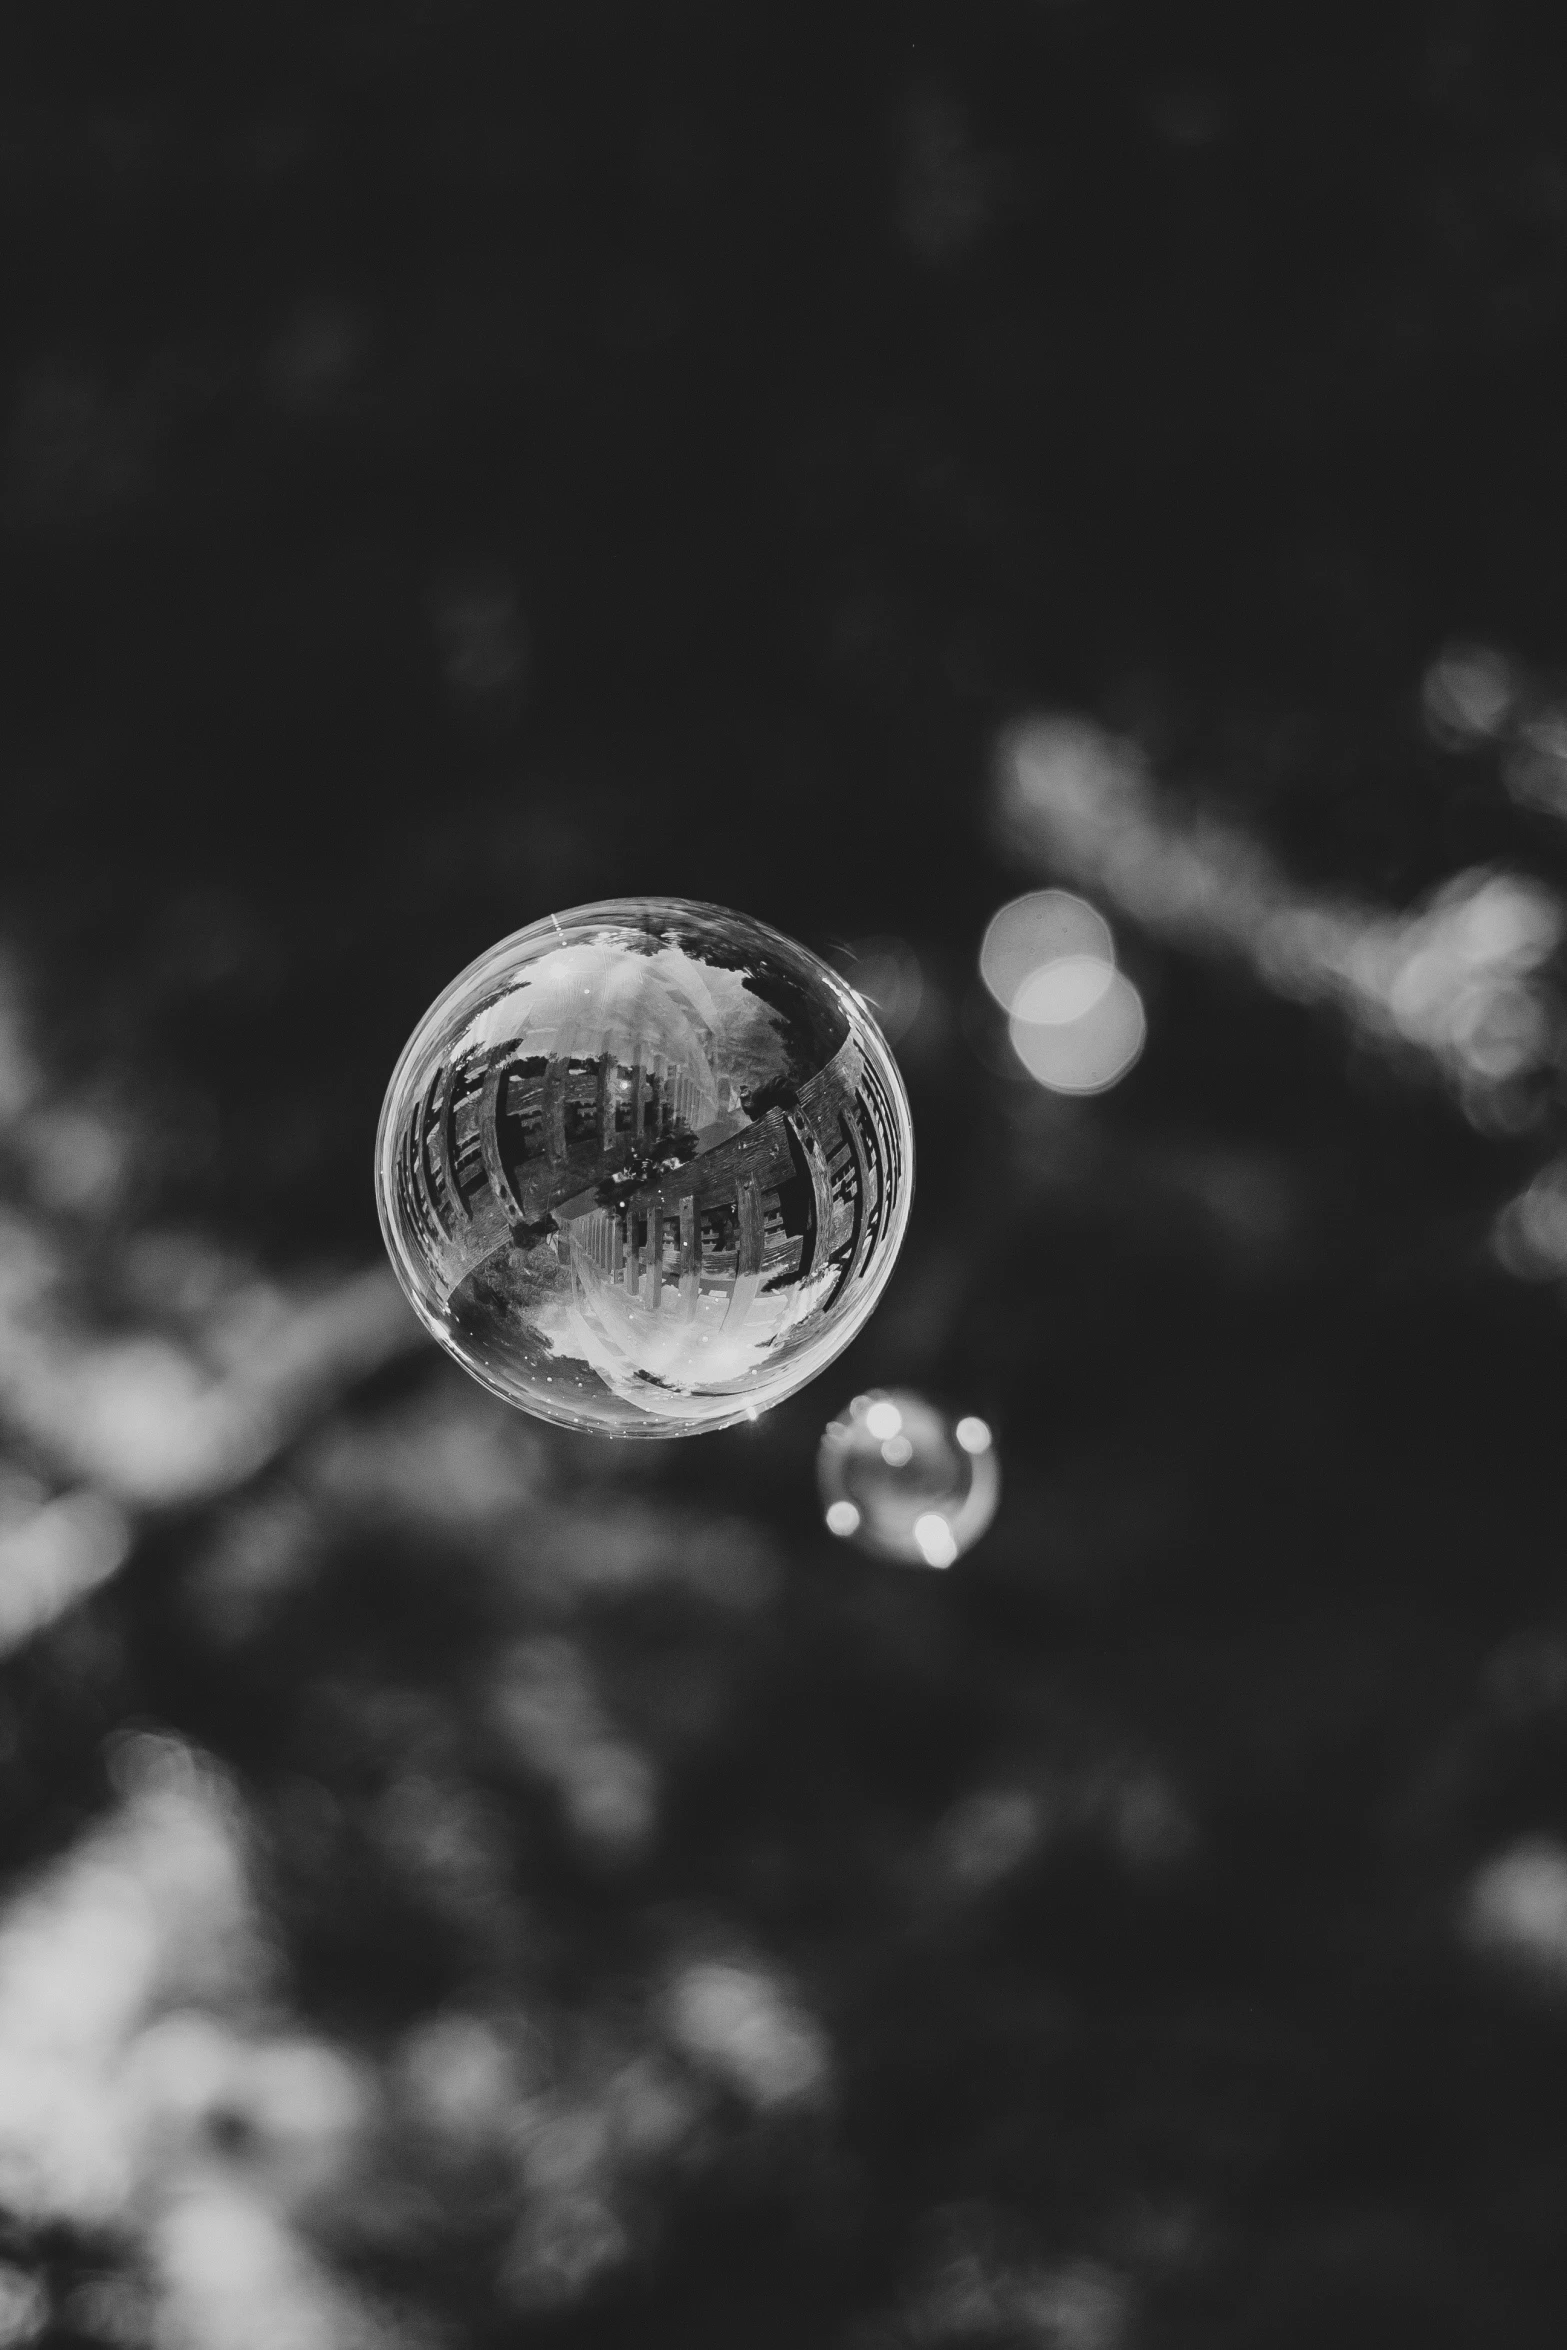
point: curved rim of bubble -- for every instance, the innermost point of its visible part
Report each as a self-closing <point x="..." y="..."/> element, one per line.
<point x="622" y="912"/>
<point x="966" y="1524"/>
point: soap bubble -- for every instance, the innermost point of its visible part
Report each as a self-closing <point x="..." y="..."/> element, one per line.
<point x="905" y="1481"/>
<point x="644" y="1168"/>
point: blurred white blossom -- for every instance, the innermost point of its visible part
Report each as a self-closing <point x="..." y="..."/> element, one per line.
<point x="1515" y="1907"/>
<point x="544" y="1707"/>
<point x="737" y="2021"/>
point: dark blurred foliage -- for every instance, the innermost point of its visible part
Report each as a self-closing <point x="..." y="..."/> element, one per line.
<point x="468" y="1885"/>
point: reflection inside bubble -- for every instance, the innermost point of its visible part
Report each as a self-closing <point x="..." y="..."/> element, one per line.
<point x="902" y="1480"/>
<point x="644" y="1168"/>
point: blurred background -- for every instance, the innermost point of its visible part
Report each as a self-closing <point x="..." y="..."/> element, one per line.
<point x="462" y="1883"/>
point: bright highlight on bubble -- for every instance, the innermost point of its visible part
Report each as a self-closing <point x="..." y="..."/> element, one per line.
<point x="922" y="1494"/>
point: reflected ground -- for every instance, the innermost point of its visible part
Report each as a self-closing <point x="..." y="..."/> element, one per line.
<point x="463" y="1880"/>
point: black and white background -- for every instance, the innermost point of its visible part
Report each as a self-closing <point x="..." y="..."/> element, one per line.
<point x="462" y="1884"/>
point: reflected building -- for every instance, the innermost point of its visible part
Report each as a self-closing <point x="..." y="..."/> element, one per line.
<point x="650" y="1179"/>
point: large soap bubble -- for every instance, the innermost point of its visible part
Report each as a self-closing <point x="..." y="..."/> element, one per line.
<point x="903" y="1480"/>
<point x="644" y="1167"/>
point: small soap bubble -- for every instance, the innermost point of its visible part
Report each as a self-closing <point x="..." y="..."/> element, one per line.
<point x="644" y="1167"/>
<point x="904" y="1481"/>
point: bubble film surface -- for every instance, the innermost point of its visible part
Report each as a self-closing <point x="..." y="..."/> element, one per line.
<point x="644" y="1167"/>
<point x="904" y="1480"/>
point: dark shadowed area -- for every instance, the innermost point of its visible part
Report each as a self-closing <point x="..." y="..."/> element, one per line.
<point x="464" y="1883"/>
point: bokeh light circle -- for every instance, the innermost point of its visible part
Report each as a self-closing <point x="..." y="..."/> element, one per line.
<point x="1089" y="1053"/>
<point x="1063" y="992"/>
<point x="1028" y="934"/>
